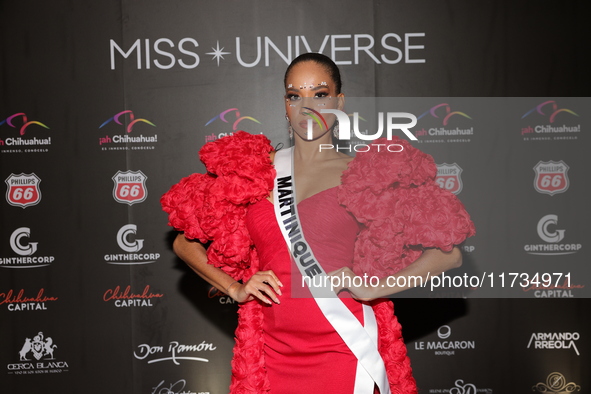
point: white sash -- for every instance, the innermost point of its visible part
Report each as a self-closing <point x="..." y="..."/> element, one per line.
<point x="362" y="341"/>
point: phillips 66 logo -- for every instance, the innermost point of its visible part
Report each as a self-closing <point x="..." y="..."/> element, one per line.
<point x="23" y="190"/>
<point x="448" y="177"/>
<point x="130" y="187"/>
<point x="551" y="177"/>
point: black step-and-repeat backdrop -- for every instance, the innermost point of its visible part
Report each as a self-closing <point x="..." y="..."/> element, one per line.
<point x="104" y="105"/>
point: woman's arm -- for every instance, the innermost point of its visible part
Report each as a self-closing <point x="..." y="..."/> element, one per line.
<point x="263" y="285"/>
<point x="431" y="263"/>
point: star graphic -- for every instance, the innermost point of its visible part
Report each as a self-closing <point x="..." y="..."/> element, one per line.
<point x="218" y="53"/>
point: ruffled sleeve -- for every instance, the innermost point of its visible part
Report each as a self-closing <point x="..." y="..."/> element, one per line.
<point x="212" y="206"/>
<point x="395" y="197"/>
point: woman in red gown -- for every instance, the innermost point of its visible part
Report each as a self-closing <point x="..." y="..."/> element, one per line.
<point x="389" y="219"/>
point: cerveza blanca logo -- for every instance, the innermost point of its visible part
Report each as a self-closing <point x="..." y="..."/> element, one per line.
<point x="37" y="357"/>
<point x="345" y="49"/>
<point x="550" y="232"/>
<point x="129" y="243"/>
<point x="25" y="249"/>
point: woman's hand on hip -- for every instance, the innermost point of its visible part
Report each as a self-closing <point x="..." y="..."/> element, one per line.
<point x="264" y="285"/>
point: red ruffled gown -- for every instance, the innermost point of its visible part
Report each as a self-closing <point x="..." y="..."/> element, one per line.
<point x="303" y="352"/>
<point x="291" y="347"/>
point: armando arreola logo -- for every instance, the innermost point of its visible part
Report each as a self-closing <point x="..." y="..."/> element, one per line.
<point x="129" y="243"/>
<point x="554" y="340"/>
<point x="37" y="356"/>
<point x="122" y="141"/>
<point x="445" y="347"/>
<point x="550" y="233"/>
<point x="23" y="190"/>
<point x="25" y="249"/>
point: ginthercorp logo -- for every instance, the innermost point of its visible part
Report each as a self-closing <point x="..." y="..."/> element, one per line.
<point x="552" y="122"/>
<point x="554" y="340"/>
<point x="449" y="177"/>
<point x="174" y="352"/>
<point x="23" y="190"/>
<point x="550" y="232"/>
<point x="556" y="383"/>
<point x="19" y="301"/>
<point x="235" y="119"/>
<point x="128" y="140"/>
<point x="438" y="124"/>
<point x="20" y="121"/>
<point x="551" y="177"/>
<point x="21" y="245"/>
<point x="344" y="49"/>
<point x="37" y="357"/>
<point x="445" y="347"/>
<point x="129" y="243"/>
<point x="130" y="187"/>
<point x="462" y="387"/>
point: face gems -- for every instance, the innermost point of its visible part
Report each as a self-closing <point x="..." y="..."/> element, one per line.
<point x="308" y="85"/>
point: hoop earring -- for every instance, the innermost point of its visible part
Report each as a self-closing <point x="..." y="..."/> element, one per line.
<point x="290" y="130"/>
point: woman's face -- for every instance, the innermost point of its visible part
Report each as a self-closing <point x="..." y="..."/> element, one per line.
<point x="310" y="89"/>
